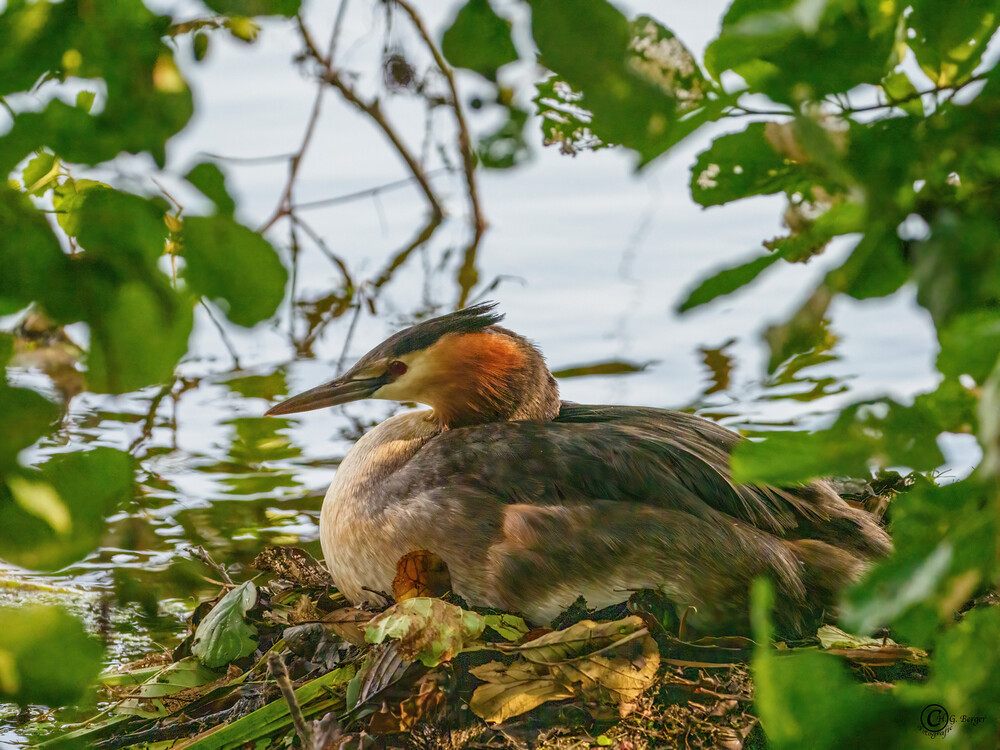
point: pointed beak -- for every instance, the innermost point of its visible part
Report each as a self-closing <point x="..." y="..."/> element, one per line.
<point x="340" y="391"/>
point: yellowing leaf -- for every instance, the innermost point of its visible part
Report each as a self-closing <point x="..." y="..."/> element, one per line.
<point x="510" y="627"/>
<point x="40" y="499"/>
<point x="428" y="629"/>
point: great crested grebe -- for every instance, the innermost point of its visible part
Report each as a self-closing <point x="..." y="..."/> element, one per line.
<point x="532" y="501"/>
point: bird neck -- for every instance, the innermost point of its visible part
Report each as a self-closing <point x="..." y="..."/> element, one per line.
<point x="496" y="376"/>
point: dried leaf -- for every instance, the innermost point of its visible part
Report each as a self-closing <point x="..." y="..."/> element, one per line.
<point x="348" y="623"/>
<point x="514" y="690"/>
<point x="584" y="637"/>
<point x="420" y="573"/>
<point x="292" y="564"/>
<point x="611" y="662"/>
<point x="426" y="698"/>
<point x="383" y="666"/>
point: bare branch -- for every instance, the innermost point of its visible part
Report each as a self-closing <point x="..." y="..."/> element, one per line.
<point x="464" y="142"/>
<point x="285" y="203"/>
<point x="374" y="111"/>
<point x="222" y="334"/>
<point x="332" y="76"/>
<point x="332" y="256"/>
<point x="366" y="193"/>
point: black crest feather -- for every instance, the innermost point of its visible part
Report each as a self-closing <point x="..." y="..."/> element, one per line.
<point x="469" y="320"/>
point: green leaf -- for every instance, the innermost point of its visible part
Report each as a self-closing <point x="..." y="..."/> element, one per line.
<point x="478" y="39"/>
<point x="970" y="344"/>
<point x="34" y="266"/>
<point x="957" y="268"/>
<point x="897" y="585"/>
<point x="144" y="698"/>
<point x="726" y="281"/>
<point x="242" y="28"/>
<point x="46" y="656"/>
<point x="53" y="517"/>
<point x="742" y="164"/>
<point x="427" y="629"/>
<point x="234" y="267"/>
<point x="199" y="46"/>
<point x="67" y="200"/>
<point x="629" y="106"/>
<point x="225" y="635"/>
<point x="138" y="337"/>
<point x="837" y="45"/>
<point x="963" y="677"/>
<point x="564" y="120"/>
<point x="123" y="230"/>
<point x="208" y="178"/>
<point x="875" y="267"/>
<point x="85" y="100"/>
<point x="945" y="545"/>
<point x="25" y="416"/>
<point x="881" y="433"/>
<point x="510" y="627"/>
<point x="317" y="698"/>
<point x="146" y="100"/>
<point x="255" y="7"/>
<point x="949" y="41"/>
<point x="809" y="699"/>
<point x="900" y="91"/>
<point x="41" y="173"/>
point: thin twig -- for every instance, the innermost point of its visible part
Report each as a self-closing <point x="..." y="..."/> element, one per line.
<point x="293" y="238"/>
<point x="285" y="203"/>
<point x="366" y="193"/>
<point x="401" y="257"/>
<point x="332" y="76"/>
<point x="222" y="333"/>
<point x="246" y="159"/>
<point x="464" y="142"/>
<point x="277" y="669"/>
<point x="332" y="256"/>
<point x="338" y="23"/>
<point x="202" y="554"/>
<point x="150" y="421"/>
<point x="347" y="339"/>
<point x="374" y="111"/>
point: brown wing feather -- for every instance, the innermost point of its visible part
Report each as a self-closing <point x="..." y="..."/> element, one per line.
<point x="650" y="456"/>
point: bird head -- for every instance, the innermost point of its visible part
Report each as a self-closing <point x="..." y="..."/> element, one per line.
<point x="463" y="365"/>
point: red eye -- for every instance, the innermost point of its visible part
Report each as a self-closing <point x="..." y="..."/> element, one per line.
<point x="397" y="368"/>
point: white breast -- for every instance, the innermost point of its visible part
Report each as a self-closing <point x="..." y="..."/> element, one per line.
<point x="360" y="535"/>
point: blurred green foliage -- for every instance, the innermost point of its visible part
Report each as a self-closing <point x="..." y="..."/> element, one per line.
<point x="46" y="656"/>
<point x="81" y="83"/>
